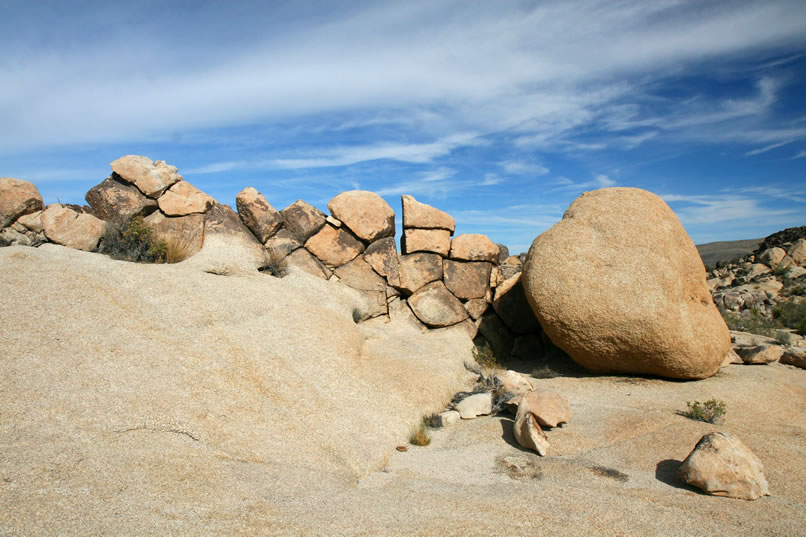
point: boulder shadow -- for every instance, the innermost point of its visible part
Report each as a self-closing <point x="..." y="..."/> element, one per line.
<point x="666" y="472"/>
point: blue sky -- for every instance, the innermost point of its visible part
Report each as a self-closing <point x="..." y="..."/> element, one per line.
<point x="499" y="113"/>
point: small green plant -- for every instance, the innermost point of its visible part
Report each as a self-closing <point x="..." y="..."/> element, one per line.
<point x="710" y="411"/>
<point x="484" y="356"/>
<point x="750" y="321"/>
<point x="135" y="241"/>
<point x="792" y="314"/>
<point x="784" y="338"/>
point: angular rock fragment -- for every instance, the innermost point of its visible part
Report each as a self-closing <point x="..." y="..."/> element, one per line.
<point x="417" y="270"/>
<point x="466" y="280"/>
<point x="302" y="220"/>
<point x="420" y="215"/>
<point x="334" y="246"/>
<point x="365" y="213"/>
<point x="258" y="214"/>
<point x="115" y="200"/>
<point x="437" y="241"/>
<point x="435" y="306"/>
<point x="66" y="227"/>
<point x="152" y="178"/>
<point x="527" y="429"/>
<point x="473" y="247"/>
<point x="722" y="465"/>
<point x="17" y="198"/>
<point x="183" y="199"/>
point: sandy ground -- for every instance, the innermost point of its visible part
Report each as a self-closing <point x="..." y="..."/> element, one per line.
<point x="140" y="400"/>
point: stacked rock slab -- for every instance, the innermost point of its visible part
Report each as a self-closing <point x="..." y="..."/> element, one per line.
<point x="20" y="209"/>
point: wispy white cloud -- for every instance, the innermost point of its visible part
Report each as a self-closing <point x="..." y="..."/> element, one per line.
<point x="801" y="154"/>
<point x="705" y="209"/>
<point x="567" y="185"/>
<point x="518" y="167"/>
<point x="766" y="148"/>
<point x="438" y="184"/>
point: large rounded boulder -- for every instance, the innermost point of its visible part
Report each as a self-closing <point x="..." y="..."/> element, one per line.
<point x="619" y="286"/>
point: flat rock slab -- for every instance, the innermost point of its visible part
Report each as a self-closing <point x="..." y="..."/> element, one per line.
<point x="437" y="241"/>
<point x="423" y="216"/>
<point x="152" y="178"/>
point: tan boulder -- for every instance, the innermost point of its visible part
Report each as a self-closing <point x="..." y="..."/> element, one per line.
<point x="17" y="198"/>
<point x="302" y="220"/>
<point x="476" y="307"/>
<point x="620" y="287"/>
<point x="229" y="247"/>
<point x="510" y="266"/>
<point x="302" y="260"/>
<point x="474" y="247"/>
<point x="280" y="245"/>
<point x="117" y="201"/>
<point x="527" y="429"/>
<point x="794" y="272"/>
<point x="359" y="275"/>
<point x="420" y="215"/>
<point x="183" y="199"/>
<point x="760" y="354"/>
<point x="772" y="257"/>
<point x="32" y="221"/>
<point x="417" y="270"/>
<point x="427" y="240"/>
<point x="365" y="213"/>
<point x="756" y="270"/>
<point x="382" y="257"/>
<point x="64" y="226"/>
<point x="152" y="178"/>
<point x="185" y="231"/>
<point x="794" y="356"/>
<point x="466" y="279"/>
<point x="511" y="305"/>
<point x="722" y="465"/>
<point x="400" y="312"/>
<point x="798" y="251"/>
<point x="334" y="246"/>
<point x="434" y="305"/>
<point x="257" y="214"/>
<point x="549" y="407"/>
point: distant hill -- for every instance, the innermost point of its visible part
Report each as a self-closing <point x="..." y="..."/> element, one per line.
<point x="713" y="252"/>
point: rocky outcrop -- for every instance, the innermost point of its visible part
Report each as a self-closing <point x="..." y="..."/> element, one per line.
<point x="618" y="300"/>
<point x="151" y="178"/>
<point x="65" y="226"/>
<point x="17" y="198"/>
<point x="722" y="465"/>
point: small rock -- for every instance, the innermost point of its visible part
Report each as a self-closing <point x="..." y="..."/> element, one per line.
<point x="527" y="429"/>
<point x="722" y="465"/>
<point x="549" y="407"/>
<point x="478" y="404"/>
<point x="794" y="356"/>
<point x="732" y="358"/>
<point x="449" y="417"/>
<point x="514" y="382"/>
<point x="760" y="354"/>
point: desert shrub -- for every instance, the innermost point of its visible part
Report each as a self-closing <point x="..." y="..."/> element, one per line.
<point x="710" y="411"/>
<point x="784" y="338"/>
<point x="420" y="436"/>
<point x="432" y="421"/>
<point x="133" y="241"/>
<point x="484" y="356"/>
<point x="750" y="321"/>
<point x="792" y="314"/>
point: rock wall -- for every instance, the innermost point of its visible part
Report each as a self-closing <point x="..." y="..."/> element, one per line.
<point x="435" y="280"/>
